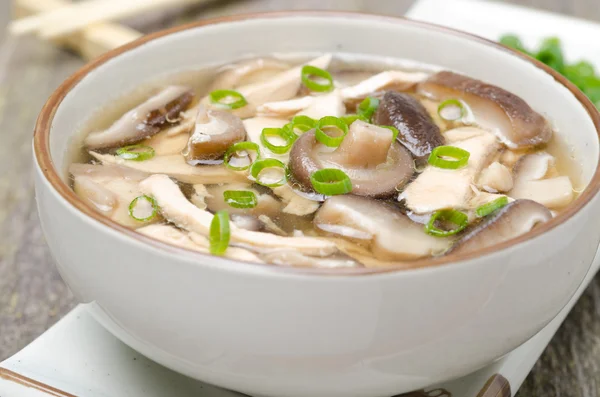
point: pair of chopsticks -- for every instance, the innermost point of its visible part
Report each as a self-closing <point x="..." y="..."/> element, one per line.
<point x="58" y="22"/>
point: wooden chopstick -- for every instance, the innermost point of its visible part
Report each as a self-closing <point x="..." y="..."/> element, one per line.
<point x="90" y="41"/>
<point x="76" y="16"/>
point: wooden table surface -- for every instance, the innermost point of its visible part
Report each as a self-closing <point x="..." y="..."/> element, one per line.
<point x="32" y="294"/>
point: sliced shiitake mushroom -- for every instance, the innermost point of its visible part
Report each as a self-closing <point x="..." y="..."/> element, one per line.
<point x="508" y="116"/>
<point x="388" y="233"/>
<point x="511" y="221"/>
<point x="417" y="130"/>
<point x="144" y="120"/>
<point x="214" y="133"/>
<point x="376" y="165"/>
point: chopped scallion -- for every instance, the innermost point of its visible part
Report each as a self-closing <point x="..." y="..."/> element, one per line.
<point x="329" y="122"/>
<point x="284" y="134"/>
<point x="452" y="110"/>
<point x="331" y="182"/>
<point x="301" y="123"/>
<point x="455" y="217"/>
<point x="261" y="167"/>
<point x="367" y="107"/>
<point x="219" y="233"/>
<point x="136" y="152"/>
<point x="459" y="157"/>
<point x="317" y="79"/>
<point x="240" y="198"/>
<point x="135" y="207"/>
<point x="227" y="99"/>
<point x="232" y="155"/>
<point x="492" y="206"/>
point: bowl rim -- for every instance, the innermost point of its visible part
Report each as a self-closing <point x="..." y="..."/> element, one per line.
<point x="42" y="131"/>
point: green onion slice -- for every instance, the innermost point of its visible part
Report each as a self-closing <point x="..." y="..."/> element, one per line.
<point x="492" y="206"/>
<point x="263" y="170"/>
<point x="301" y="123"/>
<point x="367" y="107"/>
<point x="452" y="110"/>
<point x="227" y="99"/>
<point x="331" y="182"/>
<point x="283" y="134"/>
<point x="219" y="233"/>
<point x="459" y="157"/>
<point x="455" y="217"/>
<point x="394" y="130"/>
<point x="351" y="118"/>
<point x="136" y="206"/>
<point x="331" y="122"/>
<point x="136" y="152"/>
<point x="240" y="198"/>
<point x="317" y="79"/>
<point x="237" y="152"/>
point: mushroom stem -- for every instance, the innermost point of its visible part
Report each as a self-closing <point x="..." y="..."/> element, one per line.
<point x="365" y="146"/>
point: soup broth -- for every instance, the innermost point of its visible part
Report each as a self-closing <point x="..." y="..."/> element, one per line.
<point x="324" y="163"/>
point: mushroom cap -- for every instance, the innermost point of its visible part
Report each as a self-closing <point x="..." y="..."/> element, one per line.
<point x="512" y="220"/>
<point x="513" y="121"/>
<point x="389" y="234"/>
<point x="144" y="120"/>
<point x="378" y="180"/>
<point x="215" y="132"/>
<point x="417" y="130"/>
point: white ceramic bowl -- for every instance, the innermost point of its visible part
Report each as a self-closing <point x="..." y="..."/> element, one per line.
<point x="281" y="332"/>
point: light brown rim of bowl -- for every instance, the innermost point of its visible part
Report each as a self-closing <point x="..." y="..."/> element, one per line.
<point x="42" y="153"/>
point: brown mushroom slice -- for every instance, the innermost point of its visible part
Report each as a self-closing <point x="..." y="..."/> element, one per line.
<point x="436" y="188"/>
<point x="376" y="166"/>
<point x="508" y="116"/>
<point x="511" y="221"/>
<point x="144" y="120"/>
<point x="215" y="201"/>
<point x="390" y="234"/>
<point x="214" y="133"/>
<point x="176" y="208"/>
<point x="176" y="167"/>
<point x="417" y="131"/>
<point x="108" y="189"/>
<point x="530" y="172"/>
<point x="248" y="72"/>
<point x="392" y="79"/>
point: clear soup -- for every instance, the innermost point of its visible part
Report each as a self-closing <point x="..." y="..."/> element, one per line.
<point x="324" y="163"/>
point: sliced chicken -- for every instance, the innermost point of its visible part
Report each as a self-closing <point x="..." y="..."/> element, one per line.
<point x="390" y="80"/>
<point x="436" y="188"/>
<point x="285" y="108"/>
<point x="165" y="144"/>
<point x="199" y="196"/>
<point x="178" y="210"/>
<point x="144" y="120"/>
<point x="109" y="189"/>
<point x="495" y="178"/>
<point x="254" y="127"/>
<point x="296" y="259"/>
<point x="176" y="167"/>
<point x="248" y="72"/>
<point x="266" y="204"/>
<point x="171" y="235"/>
<point x="531" y="182"/>
<point x="294" y="203"/>
<point x="282" y="86"/>
<point x="236" y="253"/>
<point x="316" y="107"/>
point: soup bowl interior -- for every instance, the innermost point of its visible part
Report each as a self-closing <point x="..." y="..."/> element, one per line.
<point x="283" y="332"/>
